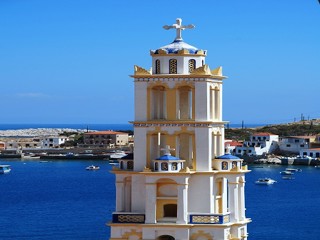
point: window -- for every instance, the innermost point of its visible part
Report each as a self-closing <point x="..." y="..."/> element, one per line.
<point x="296" y="141"/>
<point x="288" y="145"/>
<point x="164" y="166"/>
<point x="173" y="66"/>
<point x="174" y="166"/>
<point x="192" y="65"/>
<point x="301" y="145"/>
<point x="157" y="66"/>
<point x="130" y="165"/>
<point x="185" y="103"/>
<point x="158" y="106"/>
<point x="170" y="210"/>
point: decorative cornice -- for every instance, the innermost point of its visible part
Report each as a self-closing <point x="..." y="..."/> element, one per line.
<point x="182" y="52"/>
<point x="203" y="70"/>
<point x="139" y="71"/>
<point x="217" y="71"/>
<point x="176" y="124"/>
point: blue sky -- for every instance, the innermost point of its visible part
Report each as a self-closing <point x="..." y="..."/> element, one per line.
<point x="69" y="61"/>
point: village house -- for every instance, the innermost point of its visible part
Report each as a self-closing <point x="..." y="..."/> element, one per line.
<point x="296" y="144"/>
<point x="105" y="138"/>
<point x="259" y="144"/>
<point x="53" y="141"/>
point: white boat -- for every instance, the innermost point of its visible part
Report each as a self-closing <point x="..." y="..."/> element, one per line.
<point x="29" y="156"/>
<point x="294" y="169"/>
<point x="265" y="181"/>
<point x="286" y="173"/>
<point x="92" y="167"/>
<point x="118" y="154"/>
<point x="5" y="169"/>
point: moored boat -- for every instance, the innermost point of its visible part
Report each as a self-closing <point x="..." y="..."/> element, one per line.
<point x="265" y="181"/>
<point x="92" y="167"/>
<point x="5" y="169"/>
<point x="286" y="173"/>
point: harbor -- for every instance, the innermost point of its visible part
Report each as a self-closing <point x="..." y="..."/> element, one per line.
<point x="63" y="194"/>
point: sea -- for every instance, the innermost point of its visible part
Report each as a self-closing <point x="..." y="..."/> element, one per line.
<point x="61" y="200"/>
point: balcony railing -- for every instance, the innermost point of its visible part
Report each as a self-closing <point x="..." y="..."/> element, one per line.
<point x="209" y="218"/>
<point x="128" y="217"/>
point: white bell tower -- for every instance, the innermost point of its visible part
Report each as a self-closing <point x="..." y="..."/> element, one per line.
<point x="192" y="190"/>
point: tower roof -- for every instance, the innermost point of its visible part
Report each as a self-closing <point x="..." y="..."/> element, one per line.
<point x="167" y="157"/>
<point x="178" y="45"/>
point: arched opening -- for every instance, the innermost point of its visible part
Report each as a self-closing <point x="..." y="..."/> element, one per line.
<point x="173" y="66"/>
<point x="185" y="103"/>
<point x="170" y="210"/>
<point x="158" y="99"/>
<point x="192" y="65"/>
<point x="157" y="66"/>
<point x="165" y="237"/>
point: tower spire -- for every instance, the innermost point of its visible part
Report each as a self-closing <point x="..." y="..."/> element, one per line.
<point x="179" y="27"/>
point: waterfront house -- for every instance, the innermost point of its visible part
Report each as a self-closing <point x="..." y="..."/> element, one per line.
<point x="259" y="144"/>
<point x="105" y="139"/>
<point x="53" y="141"/>
<point x="22" y="143"/>
<point x="230" y="146"/>
<point x="311" y="152"/>
<point x="296" y="144"/>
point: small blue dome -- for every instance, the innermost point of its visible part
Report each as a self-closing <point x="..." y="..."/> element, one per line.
<point x="227" y="156"/>
<point x="168" y="157"/>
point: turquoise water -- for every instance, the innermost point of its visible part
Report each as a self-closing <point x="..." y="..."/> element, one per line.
<point x="61" y="200"/>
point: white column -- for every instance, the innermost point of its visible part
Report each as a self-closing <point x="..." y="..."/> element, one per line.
<point x="119" y="196"/>
<point x="151" y="202"/>
<point x="182" y="211"/>
<point x="233" y="201"/>
<point x="242" y="208"/>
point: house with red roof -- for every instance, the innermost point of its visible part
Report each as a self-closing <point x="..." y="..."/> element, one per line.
<point x="259" y="144"/>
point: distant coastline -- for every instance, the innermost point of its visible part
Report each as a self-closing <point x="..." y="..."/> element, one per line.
<point x="96" y="127"/>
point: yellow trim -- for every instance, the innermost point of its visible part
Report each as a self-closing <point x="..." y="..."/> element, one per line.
<point x="174" y="225"/>
<point x="201" y="234"/>
<point x="133" y="232"/>
<point x="183" y="52"/>
<point x="176" y="76"/>
<point x="141" y="71"/>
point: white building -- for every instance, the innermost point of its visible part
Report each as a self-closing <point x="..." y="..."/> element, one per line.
<point x="311" y="152"/>
<point x="259" y="144"/>
<point x="296" y="144"/>
<point x="198" y="191"/>
<point x="53" y="141"/>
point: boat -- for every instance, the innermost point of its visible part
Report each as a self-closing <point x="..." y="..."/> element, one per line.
<point x="286" y="173"/>
<point x="265" y="181"/>
<point x="5" y="169"/>
<point x="294" y="169"/>
<point x="117" y="154"/>
<point x="92" y="167"/>
<point x="29" y="156"/>
<point x="288" y="177"/>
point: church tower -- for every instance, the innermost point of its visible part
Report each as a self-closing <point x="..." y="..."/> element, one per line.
<point x="179" y="184"/>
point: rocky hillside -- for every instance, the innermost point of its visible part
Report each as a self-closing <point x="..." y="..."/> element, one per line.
<point x="302" y="128"/>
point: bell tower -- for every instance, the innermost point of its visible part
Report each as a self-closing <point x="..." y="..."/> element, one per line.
<point x="179" y="184"/>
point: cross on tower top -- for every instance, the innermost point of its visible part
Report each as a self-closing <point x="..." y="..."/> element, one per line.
<point x="167" y="150"/>
<point x="178" y="26"/>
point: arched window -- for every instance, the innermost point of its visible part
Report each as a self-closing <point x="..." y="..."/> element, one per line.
<point x="165" y="237"/>
<point x="173" y="66"/>
<point x="185" y="150"/>
<point x="185" y="103"/>
<point x="158" y="106"/>
<point x="192" y="65"/>
<point x="157" y="66"/>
